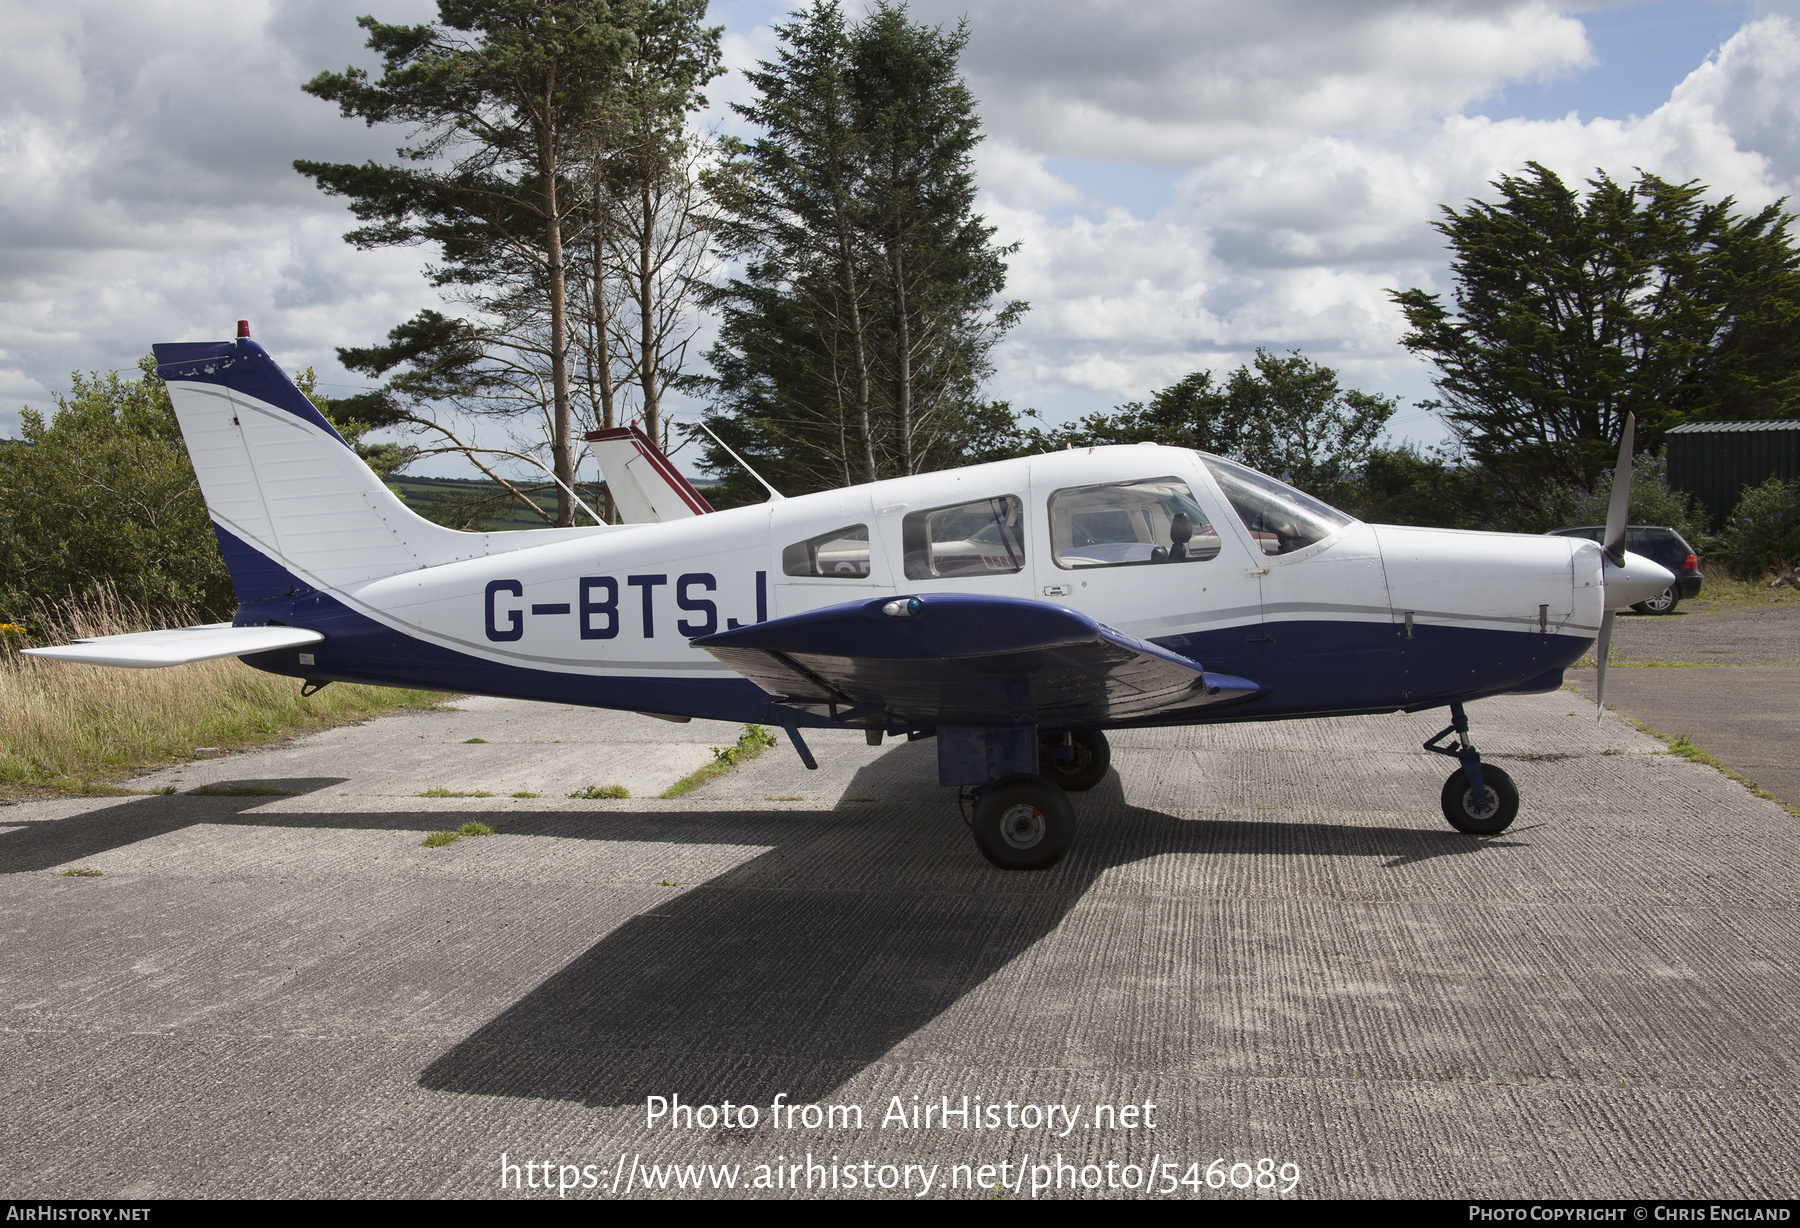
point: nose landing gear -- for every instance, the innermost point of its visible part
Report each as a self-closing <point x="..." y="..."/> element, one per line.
<point x="1479" y="798"/>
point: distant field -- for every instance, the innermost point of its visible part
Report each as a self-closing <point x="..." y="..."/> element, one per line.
<point x="478" y="504"/>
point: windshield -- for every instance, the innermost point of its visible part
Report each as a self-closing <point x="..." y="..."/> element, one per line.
<point x="1280" y="518"/>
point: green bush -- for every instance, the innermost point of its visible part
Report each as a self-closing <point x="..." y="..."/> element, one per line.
<point x="1762" y="534"/>
<point x="101" y="495"/>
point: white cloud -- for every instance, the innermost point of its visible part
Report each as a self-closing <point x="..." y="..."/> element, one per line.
<point x="146" y="191"/>
<point x="1181" y="81"/>
<point x="1295" y="244"/>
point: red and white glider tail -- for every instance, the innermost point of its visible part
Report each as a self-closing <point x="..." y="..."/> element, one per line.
<point x="646" y="487"/>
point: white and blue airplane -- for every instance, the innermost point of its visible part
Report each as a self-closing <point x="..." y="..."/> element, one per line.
<point x="1015" y="611"/>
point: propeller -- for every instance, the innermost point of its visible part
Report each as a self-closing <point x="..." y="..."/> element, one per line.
<point x="1618" y="511"/>
<point x="1625" y="578"/>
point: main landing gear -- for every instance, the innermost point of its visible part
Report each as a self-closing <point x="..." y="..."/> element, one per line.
<point x="1076" y="761"/>
<point x="1019" y="781"/>
<point x="1479" y="798"/>
<point x="1023" y="822"/>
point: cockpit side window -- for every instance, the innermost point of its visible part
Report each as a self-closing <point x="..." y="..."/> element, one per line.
<point x="842" y="554"/>
<point x="984" y="538"/>
<point x="1124" y="524"/>
<point x="1280" y="518"/>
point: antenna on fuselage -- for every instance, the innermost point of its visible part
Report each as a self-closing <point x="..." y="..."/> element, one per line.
<point x="773" y="493"/>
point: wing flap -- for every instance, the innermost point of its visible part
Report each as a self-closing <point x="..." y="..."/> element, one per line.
<point x="179" y="646"/>
<point x="968" y="659"/>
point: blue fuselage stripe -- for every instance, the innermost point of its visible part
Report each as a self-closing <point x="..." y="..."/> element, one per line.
<point x="1310" y="668"/>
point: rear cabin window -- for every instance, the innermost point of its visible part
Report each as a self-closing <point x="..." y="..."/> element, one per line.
<point x="1126" y="524"/>
<point x="842" y="554"/>
<point x="984" y="538"/>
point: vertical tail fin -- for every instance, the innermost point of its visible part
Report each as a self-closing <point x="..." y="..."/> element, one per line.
<point x="293" y="505"/>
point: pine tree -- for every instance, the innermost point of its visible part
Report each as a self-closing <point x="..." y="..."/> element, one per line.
<point x="855" y="337"/>
<point x="498" y="94"/>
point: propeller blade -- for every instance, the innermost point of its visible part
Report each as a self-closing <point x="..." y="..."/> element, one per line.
<point x="1618" y="509"/>
<point x="1602" y="651"/>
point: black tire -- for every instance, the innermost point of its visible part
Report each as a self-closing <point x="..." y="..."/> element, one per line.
<point x="1502" y="802"/>
<point x="1023" y="822"/>
<point x="1093" y="756"/>
<point x="1663" y="603"/>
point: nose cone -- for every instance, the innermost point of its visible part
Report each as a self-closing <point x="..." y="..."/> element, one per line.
<point x="1639" y="580"/>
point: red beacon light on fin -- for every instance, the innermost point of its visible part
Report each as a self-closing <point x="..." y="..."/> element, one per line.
<point x="244" y="329"/>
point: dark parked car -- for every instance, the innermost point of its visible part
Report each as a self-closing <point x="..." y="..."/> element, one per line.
<point x="1662" y="545"/>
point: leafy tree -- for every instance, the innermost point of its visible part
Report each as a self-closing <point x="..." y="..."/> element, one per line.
<point x="498" y="95"/>
<point x="101" y="494"/>
<point x="940" y="272"/>
<point x="854" y="339"/>
<point x="1406" y="485"/>
<point x="1571" y="311"/>
<point x="1288" y="417"/>
<point x="650" y="233"/>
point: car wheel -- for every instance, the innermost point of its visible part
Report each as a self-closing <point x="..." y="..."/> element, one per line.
<point x="1663" y="603"/>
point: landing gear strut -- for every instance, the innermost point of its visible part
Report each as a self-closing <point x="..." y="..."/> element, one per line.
<point x="1022" y="820"/>
<point x="1479" y="798"/>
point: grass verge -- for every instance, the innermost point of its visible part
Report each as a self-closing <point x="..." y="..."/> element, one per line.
<point x="1721" y="592"/>
<point x="751" y="743"/>
<point x="1681" y="745"/>
<point x="593" y="793"/>
<point x="67" y="728"/>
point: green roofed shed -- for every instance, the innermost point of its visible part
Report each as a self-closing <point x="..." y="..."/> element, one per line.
<point x="1716" y="461"/>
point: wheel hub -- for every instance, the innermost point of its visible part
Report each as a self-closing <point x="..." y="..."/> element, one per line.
<point x="1022" y="826"/>
<point x="1490" y="803"/>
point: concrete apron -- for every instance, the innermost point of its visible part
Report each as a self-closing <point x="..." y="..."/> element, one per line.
<point x="1266" y="932"/>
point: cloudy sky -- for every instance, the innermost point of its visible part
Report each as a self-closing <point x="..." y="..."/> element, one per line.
<point x="1188" y="180"/>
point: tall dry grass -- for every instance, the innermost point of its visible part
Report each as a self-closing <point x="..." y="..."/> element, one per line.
<point x="73" y="727"/>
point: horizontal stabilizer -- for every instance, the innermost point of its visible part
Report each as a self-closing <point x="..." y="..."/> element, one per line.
<point x="959" y="658"/>
<point x="646" y="487"/>
<point x="156" y="649"/>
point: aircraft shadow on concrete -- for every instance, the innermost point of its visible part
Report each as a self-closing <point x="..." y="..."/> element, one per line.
<point x="791" y="972"/>
<point x="801" y="967"/>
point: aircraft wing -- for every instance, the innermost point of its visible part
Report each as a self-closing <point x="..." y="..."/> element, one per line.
<point x="156" y="649"/>
<point x="958" y="658"/>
